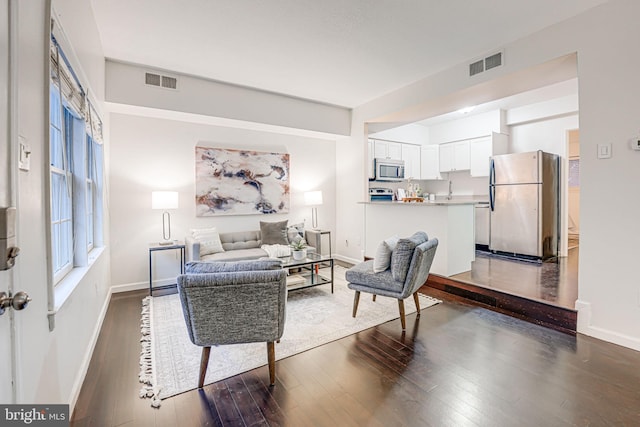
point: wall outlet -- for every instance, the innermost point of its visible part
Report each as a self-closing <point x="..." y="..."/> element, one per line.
<point x="635" y="143"/>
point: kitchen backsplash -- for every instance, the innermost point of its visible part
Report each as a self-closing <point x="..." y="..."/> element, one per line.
<point x="461" y="185"/>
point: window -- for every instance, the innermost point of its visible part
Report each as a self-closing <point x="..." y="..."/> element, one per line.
<point x="76" y="170"/>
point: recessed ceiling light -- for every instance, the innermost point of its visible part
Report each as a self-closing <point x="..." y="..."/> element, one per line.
<point x="466" y="110"/>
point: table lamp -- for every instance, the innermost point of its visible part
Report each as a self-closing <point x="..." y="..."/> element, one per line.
<point x="313" y="198"/>
<point x="165" y="200"/>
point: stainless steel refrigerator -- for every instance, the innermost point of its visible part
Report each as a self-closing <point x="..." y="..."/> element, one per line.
<point x="524" y="204"/>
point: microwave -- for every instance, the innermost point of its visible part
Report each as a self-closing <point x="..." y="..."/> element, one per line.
<point x="389" y="169"/>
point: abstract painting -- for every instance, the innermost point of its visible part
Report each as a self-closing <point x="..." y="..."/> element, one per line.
<point x="241" y="182"/>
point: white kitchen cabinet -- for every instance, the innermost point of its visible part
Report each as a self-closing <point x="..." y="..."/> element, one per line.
<point x="370" y="152"/>
<point x="430" y="162"/>
<point x="481" y="150"/>
<point x="482" y="224"/>
<point x="411" y="157"/>
<point x="387" y="149"/>
<point x="454" y="156"/>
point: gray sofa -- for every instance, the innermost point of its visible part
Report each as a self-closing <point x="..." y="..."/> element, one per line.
<point x="241" y="245"/>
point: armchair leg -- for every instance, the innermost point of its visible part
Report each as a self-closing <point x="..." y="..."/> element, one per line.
<point x="204" y="362"/>
<point x="271" y="356"/>
<point x="356" y="299"/>
<point x="402" y="319"/>
<point x="417" y="301"/>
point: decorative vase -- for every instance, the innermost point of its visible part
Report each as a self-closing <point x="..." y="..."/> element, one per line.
<point x="299" y="254"/>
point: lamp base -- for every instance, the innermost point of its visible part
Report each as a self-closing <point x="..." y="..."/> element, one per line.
<point x="166" y="243"/>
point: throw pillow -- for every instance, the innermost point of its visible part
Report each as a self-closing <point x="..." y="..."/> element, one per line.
<point x="402" y="254"/>
<point x="209" y="240"/>
<point x="382" y="260"/>
<point x="295" y="232"/>
<point x="274" y="233"/>
<point x="199" y="267"/>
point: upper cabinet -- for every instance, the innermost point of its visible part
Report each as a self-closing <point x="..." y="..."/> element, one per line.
<point x="454" y="156"/>
<point x="370" y="153"/>
<point x="411" y="157"/>
<point x="387" y="150"/>
<point x="430" y="162"/>
<point x="481" y="150"/>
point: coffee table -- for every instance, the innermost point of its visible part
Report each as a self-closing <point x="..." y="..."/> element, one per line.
<point x="309" y="271"/>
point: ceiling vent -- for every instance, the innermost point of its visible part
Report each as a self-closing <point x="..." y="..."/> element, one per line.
<point x="476" y="67"/>
<point x="159" y="80"/>
<point x="491" y="61"/>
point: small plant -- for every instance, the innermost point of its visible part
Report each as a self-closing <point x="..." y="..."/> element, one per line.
<point x="298" y="245"/>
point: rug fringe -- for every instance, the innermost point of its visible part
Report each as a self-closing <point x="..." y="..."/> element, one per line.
<point x="148" y="390"/>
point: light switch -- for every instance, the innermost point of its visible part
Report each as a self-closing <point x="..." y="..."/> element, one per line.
<point x="604" y="151"/>
<point x="24" y="160"/>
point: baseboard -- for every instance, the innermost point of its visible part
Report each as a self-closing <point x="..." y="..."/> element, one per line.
<point x="346" y="259"/>
<point x="586" y="328"/>
<point x="141" y="285"/>
<point x="77" y="386"/>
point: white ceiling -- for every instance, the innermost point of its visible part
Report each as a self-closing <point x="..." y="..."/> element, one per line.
<point x="334" y="51"/>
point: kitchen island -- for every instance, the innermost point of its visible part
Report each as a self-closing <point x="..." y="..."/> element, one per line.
<point x="452" y="222"/>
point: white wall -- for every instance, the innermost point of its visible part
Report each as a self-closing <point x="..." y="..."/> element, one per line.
<point x="158" y="154"/>
<point x="207" y="97"/>
<point x="609" y="293"/>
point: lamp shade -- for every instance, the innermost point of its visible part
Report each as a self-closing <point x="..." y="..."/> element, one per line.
<point x="313" y="198"/>
<point x="164" y="200"/>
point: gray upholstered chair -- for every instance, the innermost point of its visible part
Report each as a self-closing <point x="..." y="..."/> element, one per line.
<point x="411" y="261"/>
<point x="232" y="303"/>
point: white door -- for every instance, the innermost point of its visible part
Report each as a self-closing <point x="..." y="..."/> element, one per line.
<point x="6" y="320"/>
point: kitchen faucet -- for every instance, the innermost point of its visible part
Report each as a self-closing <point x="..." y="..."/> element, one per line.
<point x="450" y="193"/>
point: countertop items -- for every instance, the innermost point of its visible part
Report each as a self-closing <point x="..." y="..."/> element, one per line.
<point x="425" y="202"/>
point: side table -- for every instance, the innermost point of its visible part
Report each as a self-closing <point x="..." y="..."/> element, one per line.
<point x="153" y="247"/>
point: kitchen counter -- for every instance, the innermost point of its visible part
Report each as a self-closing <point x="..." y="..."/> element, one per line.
<point x="437" y="202"/>
<point x="451" y="221"/>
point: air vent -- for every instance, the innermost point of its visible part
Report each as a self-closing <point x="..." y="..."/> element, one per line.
<point x="159" y="80"/>
<point x="491" y="61"/>
<point x="169" y="82"/>
<point x="476" y="67"/>
<point x="152" y="79"/>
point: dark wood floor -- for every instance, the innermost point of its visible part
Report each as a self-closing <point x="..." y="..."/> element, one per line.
<point x="554" y="283"/>
<point x="457" y="365"/>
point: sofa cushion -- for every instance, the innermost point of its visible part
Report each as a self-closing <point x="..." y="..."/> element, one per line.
<point x="382" y="259"/>
<point x="234" y="240"/>
<point x="236" y="255"/>
<point x="244" y="265"/>
<point x="274" y="233"/>
<point x="209" y="240"/>
<point x="401" y="256"/>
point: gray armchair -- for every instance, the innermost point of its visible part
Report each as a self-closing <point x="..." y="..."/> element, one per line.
<point x="232" y="303"/>
<point x="410" y="264"/>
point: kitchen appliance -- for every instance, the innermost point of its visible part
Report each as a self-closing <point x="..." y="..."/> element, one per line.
<point x="380" y="194"/>
<point x="389" y="169"/>
<point x="524" y="204"/>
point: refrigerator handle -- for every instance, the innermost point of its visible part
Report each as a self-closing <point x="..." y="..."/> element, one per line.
<point x="492" y="181"/>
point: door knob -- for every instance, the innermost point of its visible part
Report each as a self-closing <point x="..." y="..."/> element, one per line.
<point x="19" y="301"/>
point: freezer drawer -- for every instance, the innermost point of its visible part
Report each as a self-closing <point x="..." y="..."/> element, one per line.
<point x="515" y="220"/>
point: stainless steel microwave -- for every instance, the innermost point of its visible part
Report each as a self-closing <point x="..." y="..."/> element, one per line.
<point x="389" y="170"/>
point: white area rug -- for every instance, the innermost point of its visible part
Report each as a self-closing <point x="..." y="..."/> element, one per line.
<point x="170" y="362"/>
